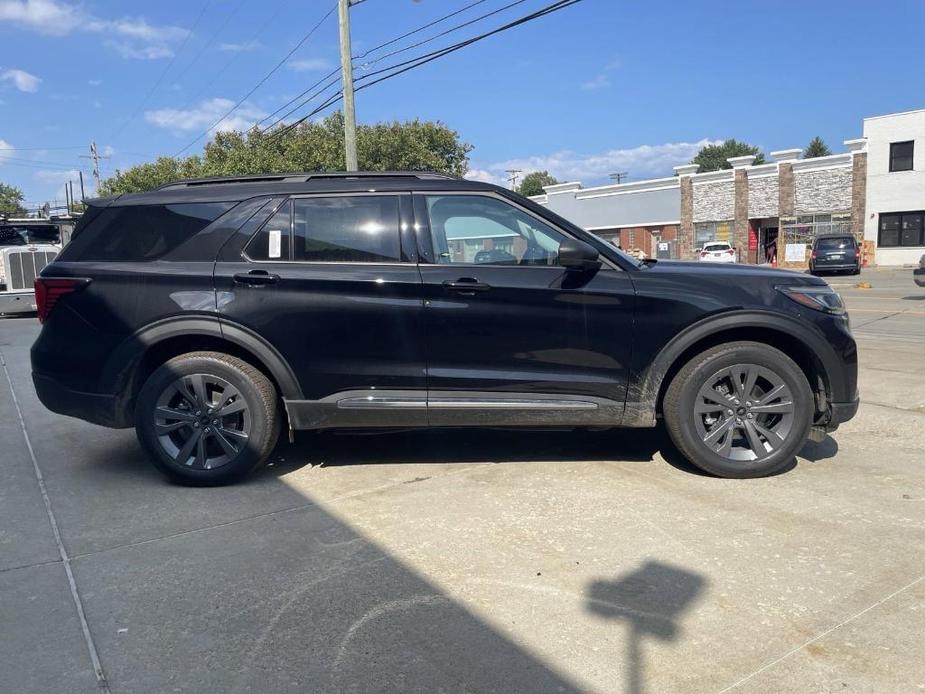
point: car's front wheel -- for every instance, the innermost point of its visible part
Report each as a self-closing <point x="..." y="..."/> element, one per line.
<point x="742" y="409"/>
<point x="207" y="418"/>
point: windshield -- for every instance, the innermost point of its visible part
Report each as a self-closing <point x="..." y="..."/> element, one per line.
<point x="11" y="235"/>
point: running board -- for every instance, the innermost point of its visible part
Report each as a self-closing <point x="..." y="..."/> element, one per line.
<point x="361" y="409"/>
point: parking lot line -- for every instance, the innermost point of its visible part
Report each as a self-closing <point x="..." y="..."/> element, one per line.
<point x="65" y="559"/>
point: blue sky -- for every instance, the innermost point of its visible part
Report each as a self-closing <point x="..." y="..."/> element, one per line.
<point x="606" y="85"/>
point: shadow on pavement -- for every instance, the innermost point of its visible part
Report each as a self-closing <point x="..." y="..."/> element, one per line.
<point x="650" y="600"/>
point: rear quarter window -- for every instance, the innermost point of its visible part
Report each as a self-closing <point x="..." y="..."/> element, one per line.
<point x="141" y="232"/>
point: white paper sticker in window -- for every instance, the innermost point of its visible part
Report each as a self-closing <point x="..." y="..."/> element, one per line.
<point x="276" y="238"/>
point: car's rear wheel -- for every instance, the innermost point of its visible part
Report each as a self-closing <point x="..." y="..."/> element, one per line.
<point x="742" y="409"/>
<point x="207" y="418"/>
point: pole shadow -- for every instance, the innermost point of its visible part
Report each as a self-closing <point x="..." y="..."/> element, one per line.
<point x="651" y="600"/>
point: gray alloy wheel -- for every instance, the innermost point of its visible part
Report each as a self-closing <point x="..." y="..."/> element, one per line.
<point x="744" y="412"/>
<point x="202" y="421"/>
<point x="207" y="418"/>
<point x="739" y="409"/>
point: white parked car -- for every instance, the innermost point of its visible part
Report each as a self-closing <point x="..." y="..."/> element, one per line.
<point x="717" y="252"/>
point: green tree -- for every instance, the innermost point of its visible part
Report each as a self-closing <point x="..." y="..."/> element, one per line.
<point x="713" y="157"/>
<point x="11" y="201"/>
<point x="816" y="148"/>
<point x="534" y="181"/>
<point x="312" y="146"/>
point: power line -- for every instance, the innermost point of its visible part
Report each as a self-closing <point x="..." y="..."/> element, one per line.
<point x="262" y="80"/>
<point x="270" y="20"/>
<point x="405" y="66"/>
<point x="40" y="149"/>
<point x="387" y="55"/>
<point x="163" y="74"/>
<point x="374" y="49"/>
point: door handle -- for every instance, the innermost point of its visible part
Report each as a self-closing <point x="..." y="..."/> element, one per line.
<point x="466" y="286"/>
<point x="255" y="278"/>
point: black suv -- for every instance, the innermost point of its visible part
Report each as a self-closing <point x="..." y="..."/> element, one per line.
<point x="211" y="314"/>
<point x="835" y="253"/>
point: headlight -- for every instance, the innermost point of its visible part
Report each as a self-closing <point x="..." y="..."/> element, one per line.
<point x="817" y="298"/>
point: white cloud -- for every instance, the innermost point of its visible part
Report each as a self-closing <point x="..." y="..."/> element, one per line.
<point x="128" y="50"/>
<point x="57" y="175"/>
<point x="645" y="161"/>
<point x="597" y="82"/>
<point x="310" y="65"/>
<point x="6" y="150"/>
<point x="204" y="115"/>
<point x="485" y="176"/>
<point x="22" y="80"/>
<point x="243" y="46"/>
<point x="136" y="37"/>
<point x="94" y="83"/>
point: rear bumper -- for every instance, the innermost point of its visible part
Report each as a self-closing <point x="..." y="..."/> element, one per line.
<point x="918" y="275"/>
<point x="17" y="302"/>
<point x="97" y="408"/>
<point x="834" y="267"/>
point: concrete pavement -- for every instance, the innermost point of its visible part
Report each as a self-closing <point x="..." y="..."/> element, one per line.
<point x="475" y="560"/>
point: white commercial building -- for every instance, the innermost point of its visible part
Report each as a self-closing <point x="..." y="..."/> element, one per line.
<point x="896" y="186"/>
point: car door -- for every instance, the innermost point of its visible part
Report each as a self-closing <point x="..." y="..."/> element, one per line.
<point x="513" y="337"/>
<point x="329" y="283"/>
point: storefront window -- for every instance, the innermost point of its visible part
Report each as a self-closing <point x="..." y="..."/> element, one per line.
<point x="705" y="232"/>
<point x="805" y="228"/>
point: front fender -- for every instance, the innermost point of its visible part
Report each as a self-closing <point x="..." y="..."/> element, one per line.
<point x="643" y="391"/>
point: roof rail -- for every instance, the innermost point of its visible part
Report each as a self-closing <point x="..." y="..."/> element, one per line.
<point x="302" y="177"/>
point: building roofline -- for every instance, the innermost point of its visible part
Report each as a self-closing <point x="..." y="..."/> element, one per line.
<point x="898" y="113"/>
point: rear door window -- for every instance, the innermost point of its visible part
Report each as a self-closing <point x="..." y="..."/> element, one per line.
<point x="142" y="232"/>
<point x="346" y="229"/>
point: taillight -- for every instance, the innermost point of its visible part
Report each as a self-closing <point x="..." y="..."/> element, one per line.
<point x="49" y="289"/>
<point x="731" y="251"/>
<point x="704" y="254"/>
<point x="857" y="252"/>
<point x="813" y="254"/>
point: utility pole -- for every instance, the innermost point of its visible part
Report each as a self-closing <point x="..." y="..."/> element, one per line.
<point x="83" y="195"/>
<point x="346" y="66"/>
<point x="512" y="173"/>
<point x="95" y="157"/>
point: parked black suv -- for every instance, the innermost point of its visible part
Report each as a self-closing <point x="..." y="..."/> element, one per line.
<point x="212" y="314"/>
<point x="835" y="253"/>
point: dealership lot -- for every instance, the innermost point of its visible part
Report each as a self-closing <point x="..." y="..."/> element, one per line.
<point x="474" y="560"/>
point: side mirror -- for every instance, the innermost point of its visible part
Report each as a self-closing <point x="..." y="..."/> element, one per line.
<point x="697" y="250"/>
<point x="578" y="255"/>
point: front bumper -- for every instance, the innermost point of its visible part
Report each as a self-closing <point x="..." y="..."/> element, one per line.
<point x="841" y="412"/>
<point x="96" y="408"/>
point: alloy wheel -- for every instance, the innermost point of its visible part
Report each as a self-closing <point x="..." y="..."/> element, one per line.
<point x="202" y="421"/>
<point x="744" y="412"/>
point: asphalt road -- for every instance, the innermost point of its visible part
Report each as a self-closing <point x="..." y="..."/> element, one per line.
<point x="473" y="560"/>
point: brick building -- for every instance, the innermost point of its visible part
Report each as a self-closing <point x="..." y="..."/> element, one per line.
<point x="772" y="212"/>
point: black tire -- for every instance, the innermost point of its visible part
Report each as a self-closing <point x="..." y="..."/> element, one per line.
<point x="777" y="435"/>
<point x="236" y="443"/>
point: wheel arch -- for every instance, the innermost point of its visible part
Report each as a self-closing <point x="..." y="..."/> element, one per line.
<point x="811" y="352"/>
<point x="139" y="355"/>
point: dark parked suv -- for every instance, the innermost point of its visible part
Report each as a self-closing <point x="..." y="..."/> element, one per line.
<point x="212" y="314"/>
<point x="835" y="253"/>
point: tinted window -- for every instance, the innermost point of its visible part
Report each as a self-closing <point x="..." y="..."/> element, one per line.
<point x="902" y="229"/>
<point x="901" y="156"/>
<point x="835" y="243"/>
<point x="273" y="240"/>
<point x="352" y="229"/>
<point x="486" y="231"/>
<point x="23" y="235"/>
<point x="142" y="232"/>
